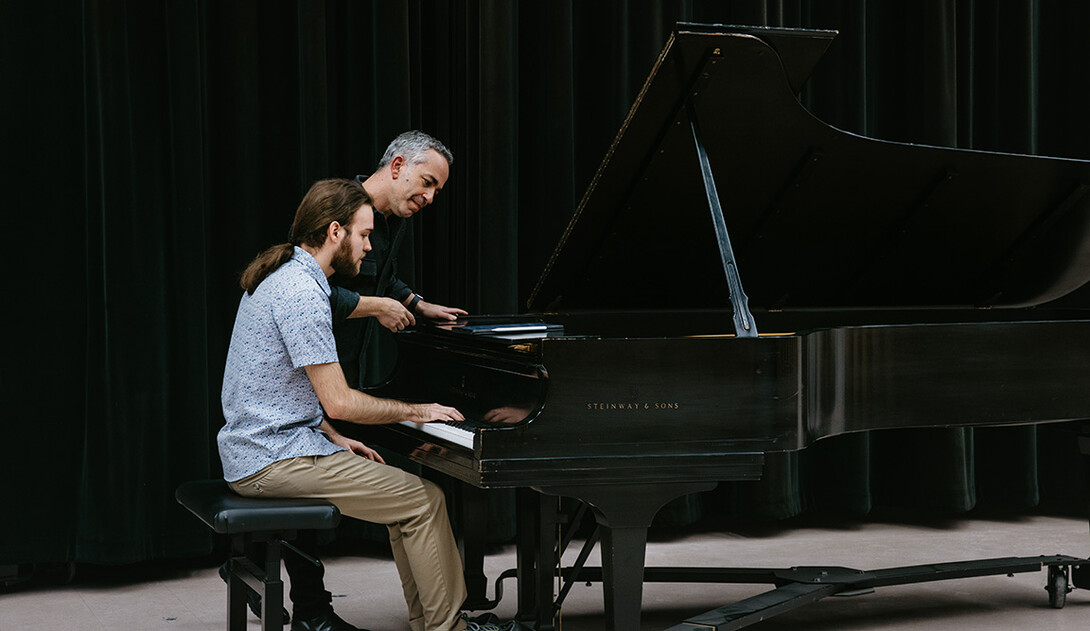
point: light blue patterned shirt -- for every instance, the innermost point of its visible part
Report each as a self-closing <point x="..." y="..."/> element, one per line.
<point x="270" y="405"/>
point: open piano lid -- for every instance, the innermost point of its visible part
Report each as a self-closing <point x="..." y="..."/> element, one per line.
<point x="818" y="217"/>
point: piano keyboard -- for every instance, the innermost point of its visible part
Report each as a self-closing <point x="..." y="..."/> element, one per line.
<point x="446" y="431"/>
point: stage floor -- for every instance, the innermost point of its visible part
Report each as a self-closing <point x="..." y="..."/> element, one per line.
<point x="367" y="589"/>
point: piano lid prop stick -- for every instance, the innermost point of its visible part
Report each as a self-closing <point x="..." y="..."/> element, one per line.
<point x="744" y="326"/>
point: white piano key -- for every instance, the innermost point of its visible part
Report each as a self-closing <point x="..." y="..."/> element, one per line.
<point x="447" y="432"/>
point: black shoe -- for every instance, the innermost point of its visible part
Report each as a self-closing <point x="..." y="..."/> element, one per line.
<point x="323" y="622"/>
<point x="253" y="600"/>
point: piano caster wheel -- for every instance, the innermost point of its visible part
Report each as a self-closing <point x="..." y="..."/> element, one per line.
<point x="1057" y="586"/>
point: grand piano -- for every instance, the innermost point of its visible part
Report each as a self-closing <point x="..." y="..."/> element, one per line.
<point x="739" y="279"/>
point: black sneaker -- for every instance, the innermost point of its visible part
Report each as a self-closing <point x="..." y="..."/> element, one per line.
<point x="328" y="621"/>
<point x="489" y="622"/>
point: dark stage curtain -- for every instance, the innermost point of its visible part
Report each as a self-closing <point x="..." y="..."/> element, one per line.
<point x="153" y="147"/>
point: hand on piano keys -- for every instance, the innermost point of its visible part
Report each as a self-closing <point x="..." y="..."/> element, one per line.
<point x="432" y="418"/>
<point x="430" y="412"/>
<point x="461" y="434"/>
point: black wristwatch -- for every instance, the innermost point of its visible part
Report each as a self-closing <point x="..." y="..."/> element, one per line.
<point x="416" y="300"/>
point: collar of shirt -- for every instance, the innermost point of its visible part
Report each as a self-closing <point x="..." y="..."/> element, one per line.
<point x="308" y="262"/>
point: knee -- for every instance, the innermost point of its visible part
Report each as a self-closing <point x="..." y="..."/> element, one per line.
<point x="429" y="505"/>
<point x="434" y="495"/>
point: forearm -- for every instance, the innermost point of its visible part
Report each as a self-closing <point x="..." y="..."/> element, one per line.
<point x="368" y="306"/>
<point x="364" y="409"/>
<point x="416" y="304"/>
<point x="343" y="403"/>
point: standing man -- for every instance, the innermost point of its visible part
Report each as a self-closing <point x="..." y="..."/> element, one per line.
<point x="410" y="174"/>
<point x="281" y="382"/>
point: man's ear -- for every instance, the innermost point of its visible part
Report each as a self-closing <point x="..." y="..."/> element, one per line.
<point x="396" y="165"/>
<point x="331" y="231"/>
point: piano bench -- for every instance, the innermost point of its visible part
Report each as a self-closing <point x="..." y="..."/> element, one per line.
<point x="274" y="521"/>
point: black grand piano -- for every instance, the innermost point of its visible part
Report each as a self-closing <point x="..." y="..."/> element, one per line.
<point x="739" y="279"/>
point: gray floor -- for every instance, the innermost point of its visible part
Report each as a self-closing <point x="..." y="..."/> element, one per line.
<point x="367" y="588"/>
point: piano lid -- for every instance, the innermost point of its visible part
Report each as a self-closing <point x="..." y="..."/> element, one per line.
<point x="818" y="217"/>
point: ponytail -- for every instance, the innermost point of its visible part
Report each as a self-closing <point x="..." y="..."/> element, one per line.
<point x="326" y="201"/>
<point x="264" y="264"/>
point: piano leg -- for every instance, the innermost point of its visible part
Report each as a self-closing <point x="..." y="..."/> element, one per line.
<point x="537" y="526"/>
<point x="622" y="575"/>
<point x="625" y="511"/>
<point x="473" y="506"/>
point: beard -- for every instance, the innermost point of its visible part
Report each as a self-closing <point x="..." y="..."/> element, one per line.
<point x="343" y="263"/>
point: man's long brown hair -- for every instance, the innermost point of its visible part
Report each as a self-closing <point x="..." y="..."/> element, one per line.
<point x="326" y="201"/>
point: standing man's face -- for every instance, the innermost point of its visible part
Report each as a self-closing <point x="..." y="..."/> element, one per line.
<point x="415" y="185"/>
<point x="356" y="244"/>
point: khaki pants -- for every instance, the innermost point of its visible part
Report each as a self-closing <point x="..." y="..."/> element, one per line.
<point x="413" y="510"/>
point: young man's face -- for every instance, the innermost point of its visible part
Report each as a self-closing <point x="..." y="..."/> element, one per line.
<point x="415" y="185"/>
<point x="356" y="244"/>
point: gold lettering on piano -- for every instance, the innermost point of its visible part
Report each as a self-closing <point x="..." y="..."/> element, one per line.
<point x="610" y="407"/>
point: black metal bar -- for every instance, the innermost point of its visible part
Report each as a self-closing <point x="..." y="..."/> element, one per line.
<point x="744" y="326"/>
<point x="757" y="608"/>
<point x="573" y="574"/>
<point x="593" y="574"/>
<point x="962" y="569"/>
<point x="573" y="527"/>
<point x="805" y="585"/>
<point x="855" y="578"/>
<point x="306" y="557"/>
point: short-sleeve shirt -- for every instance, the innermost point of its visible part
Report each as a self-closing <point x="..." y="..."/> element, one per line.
<point x="271" y="408"/>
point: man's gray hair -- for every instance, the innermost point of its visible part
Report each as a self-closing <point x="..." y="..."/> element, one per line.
<point x="412" y="146"/>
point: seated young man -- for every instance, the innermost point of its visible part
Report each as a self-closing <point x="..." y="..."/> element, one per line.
<point x="282" y="380"/>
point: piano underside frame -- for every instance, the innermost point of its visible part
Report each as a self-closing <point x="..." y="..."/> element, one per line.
<point x="546" y="528"/>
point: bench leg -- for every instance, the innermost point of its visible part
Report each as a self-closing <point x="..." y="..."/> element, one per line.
<point x="272" y="598"/>
<point x="236" y="588"/>
<point x="244" y="574"/>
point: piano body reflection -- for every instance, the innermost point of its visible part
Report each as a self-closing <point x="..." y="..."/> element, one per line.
<point x="893" y="285"/>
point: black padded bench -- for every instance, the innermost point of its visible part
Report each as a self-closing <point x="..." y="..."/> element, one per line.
<point x="271" y="520"/>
